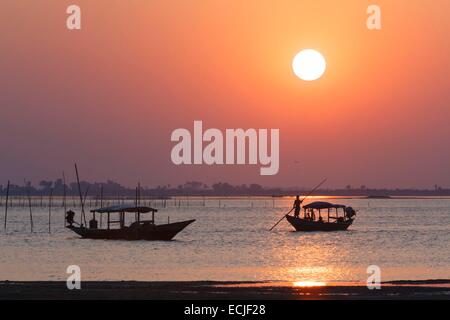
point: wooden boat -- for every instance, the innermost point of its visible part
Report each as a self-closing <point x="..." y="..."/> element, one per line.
<point x="312" y="219"/>
<point x="138" y="230"/>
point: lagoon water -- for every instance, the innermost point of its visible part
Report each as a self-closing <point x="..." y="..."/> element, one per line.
<point x="409" y="239"/>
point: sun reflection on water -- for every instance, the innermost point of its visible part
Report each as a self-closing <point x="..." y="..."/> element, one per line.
<point x="309" y="284"/>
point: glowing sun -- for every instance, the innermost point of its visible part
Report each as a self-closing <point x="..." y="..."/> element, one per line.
<point x="309" y="65"/>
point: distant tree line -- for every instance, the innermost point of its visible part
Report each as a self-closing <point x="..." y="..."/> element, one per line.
<point x="197" y="188"/>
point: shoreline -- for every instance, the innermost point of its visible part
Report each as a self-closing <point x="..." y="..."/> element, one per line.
<point x="229" y="290"/>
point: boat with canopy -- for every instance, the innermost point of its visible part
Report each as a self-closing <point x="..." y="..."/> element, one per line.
<point x="117" y="229"/>
<point x="323" y="216"/>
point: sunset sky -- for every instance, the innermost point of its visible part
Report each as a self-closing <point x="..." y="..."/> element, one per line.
<point x="109" y="96"/>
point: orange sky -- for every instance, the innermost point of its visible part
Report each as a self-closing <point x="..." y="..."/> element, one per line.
<point x="110" y="95"/>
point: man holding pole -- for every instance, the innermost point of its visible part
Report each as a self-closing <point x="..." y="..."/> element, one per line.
<point x="297" y="204"/>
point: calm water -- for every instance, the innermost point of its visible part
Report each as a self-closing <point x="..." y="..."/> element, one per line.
<point x="407" y="238"/>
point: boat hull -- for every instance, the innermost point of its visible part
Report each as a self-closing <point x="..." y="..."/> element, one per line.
<point x="307" y="225"/>
<point x="163" y="232"/>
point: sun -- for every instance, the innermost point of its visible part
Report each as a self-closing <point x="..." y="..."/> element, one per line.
<point x="309" y="65"/>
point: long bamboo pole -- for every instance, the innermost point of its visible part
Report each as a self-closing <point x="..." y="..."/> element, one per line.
<point x="280" y="219"/>
<point x="311" y="192"/>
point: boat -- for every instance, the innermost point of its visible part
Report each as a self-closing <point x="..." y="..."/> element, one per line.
<point x="138" y="230"/>
<point x="313" y="220"/>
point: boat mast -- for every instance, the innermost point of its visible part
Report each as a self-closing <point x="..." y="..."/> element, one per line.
<point x="83" y="215"/>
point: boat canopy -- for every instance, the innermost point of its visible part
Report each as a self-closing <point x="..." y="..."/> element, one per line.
<point x="323" y="205"/>
<point x="125" y="208"/>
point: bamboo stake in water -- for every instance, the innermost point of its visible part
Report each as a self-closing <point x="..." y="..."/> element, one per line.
<point x="86" y="195"/>
<point x="84" y="202"/>
<point x="29" y="205"/>
<point x="50" y="210"/>
<point x="139" y="193"/>
<point x="64" y="198"/>
<point x="136" y="201"/>
<point x="6" y="203"/>
<point x="101" y="203"/>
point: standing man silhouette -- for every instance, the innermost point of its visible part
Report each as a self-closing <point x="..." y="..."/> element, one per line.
<point x="297" y="204"/>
